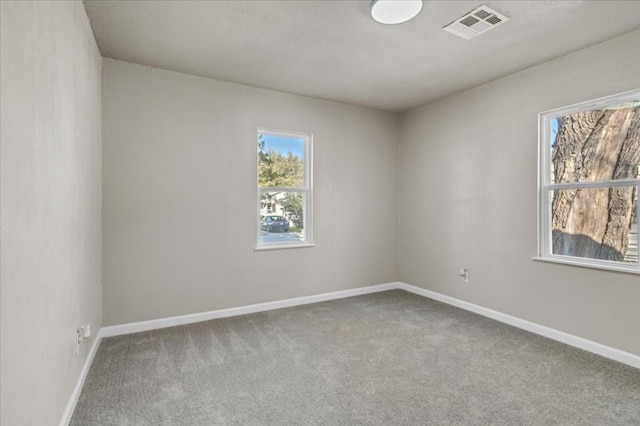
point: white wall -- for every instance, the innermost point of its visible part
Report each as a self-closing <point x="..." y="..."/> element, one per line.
<point x="179" y="159"/>
<point x="50" y="204"/>
<point x="468" y="176"/>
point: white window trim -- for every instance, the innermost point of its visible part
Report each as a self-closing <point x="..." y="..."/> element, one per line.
<point x="545" y="186"/>
<point x="307" y="190"/>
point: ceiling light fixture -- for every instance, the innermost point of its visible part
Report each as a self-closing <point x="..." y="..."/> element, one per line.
<point x="395" y="11"/>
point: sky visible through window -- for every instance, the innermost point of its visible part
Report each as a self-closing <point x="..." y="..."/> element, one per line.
<point x="283" y="191"/>
<point x="284" y="145"/>
<point x="597" y="145"/>
<point x="554" y="131"/>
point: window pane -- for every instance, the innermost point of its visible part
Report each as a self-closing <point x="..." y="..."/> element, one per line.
<point x="596" y="145"/>
<point x="596" y="223"/>
<point x="282" y="217"/>
<point x="280" y="161"/>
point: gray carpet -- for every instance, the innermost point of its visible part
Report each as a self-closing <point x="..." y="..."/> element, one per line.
<point x="381" y="359"/>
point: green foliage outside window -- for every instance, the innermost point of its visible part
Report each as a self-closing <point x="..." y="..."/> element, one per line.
<point x="276" y="170"/>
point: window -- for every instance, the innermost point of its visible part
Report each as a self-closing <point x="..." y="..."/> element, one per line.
<point x="284" y="189"/>
<point x="589" y="183"/>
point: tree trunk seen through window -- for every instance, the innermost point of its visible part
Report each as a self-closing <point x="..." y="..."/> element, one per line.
<point x="596" y="145"/>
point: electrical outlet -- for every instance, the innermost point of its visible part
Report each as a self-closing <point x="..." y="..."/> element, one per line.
<point x="83" y="334"/>
<point x="464" y="275"/>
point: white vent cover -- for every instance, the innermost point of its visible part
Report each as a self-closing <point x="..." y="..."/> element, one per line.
<point x="476" y="22"/>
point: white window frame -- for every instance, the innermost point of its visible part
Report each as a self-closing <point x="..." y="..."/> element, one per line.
<point x="307" y="190"/>
<point x="545" y="186"/>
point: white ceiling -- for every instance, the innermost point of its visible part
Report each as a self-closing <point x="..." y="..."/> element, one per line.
<point x="333" y="49"/>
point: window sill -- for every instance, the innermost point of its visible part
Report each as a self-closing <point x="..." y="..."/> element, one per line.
<point x="572" y="262"/>
<point x="284" y="246"/>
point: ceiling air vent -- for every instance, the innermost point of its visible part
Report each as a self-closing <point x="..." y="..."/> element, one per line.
<point x="476" y="22"/>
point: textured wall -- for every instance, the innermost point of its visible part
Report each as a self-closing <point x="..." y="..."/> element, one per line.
<point x="179" y="158"/>
<point x="468" y="193"/>
<point x="50" y="204"/>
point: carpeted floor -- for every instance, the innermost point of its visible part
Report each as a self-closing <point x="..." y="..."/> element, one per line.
<point x="380" y="359"/>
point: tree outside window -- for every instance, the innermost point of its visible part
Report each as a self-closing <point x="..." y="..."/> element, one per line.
<point x="590" y="178"/>
<point x="284" y="188"/>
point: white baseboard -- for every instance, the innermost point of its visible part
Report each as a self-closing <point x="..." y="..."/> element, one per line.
<point x="73" y="400"/>
<point x="560" y="336"/>
<point x="135" y="327"/>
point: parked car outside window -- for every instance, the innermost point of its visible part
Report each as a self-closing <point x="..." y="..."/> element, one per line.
<point x="274" y="223"/>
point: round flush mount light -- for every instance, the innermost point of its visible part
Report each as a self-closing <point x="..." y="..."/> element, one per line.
<point x="395" y="11"/>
